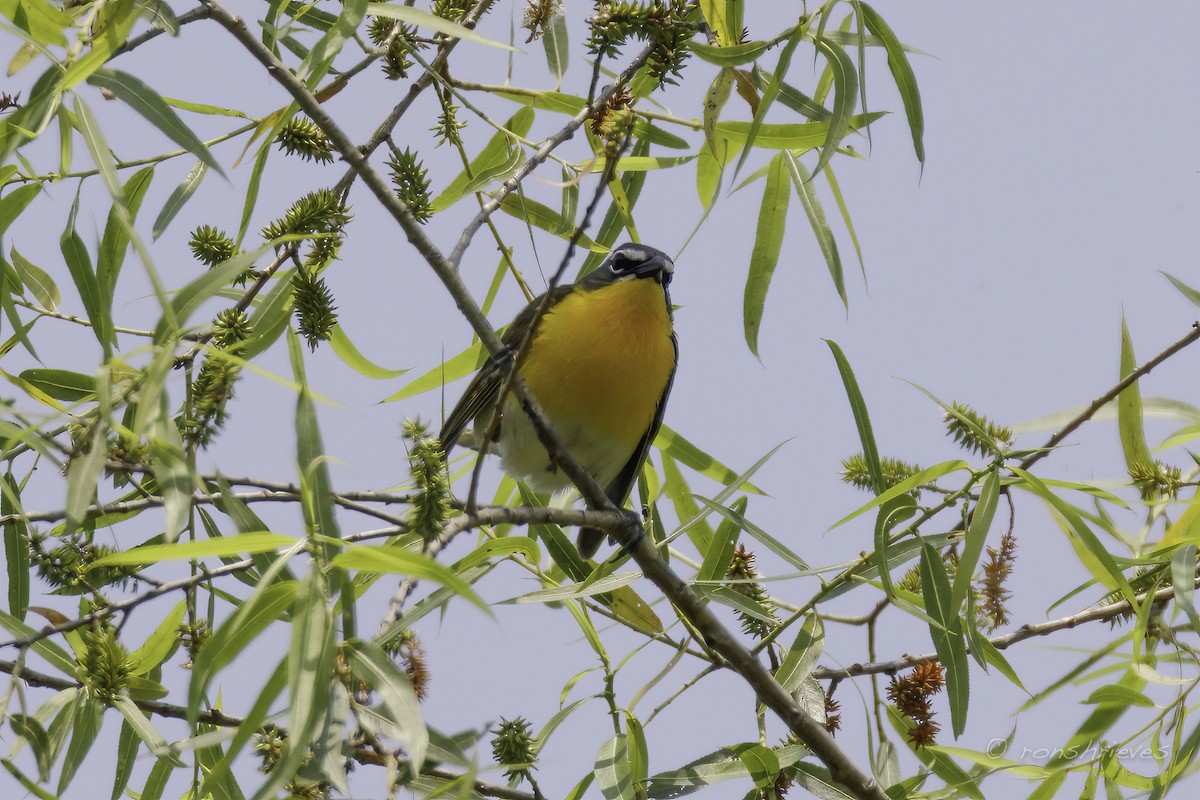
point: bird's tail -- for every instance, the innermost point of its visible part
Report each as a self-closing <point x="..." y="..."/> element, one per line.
<point x="589" y="541"/>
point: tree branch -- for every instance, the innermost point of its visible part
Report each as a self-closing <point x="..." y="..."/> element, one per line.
<point x="1105" y="398"/>
<point x="810" y="732"/>
<point x="214" y="717"/>
<point x="1098" y="614"/>
<point x="543" y="152"/>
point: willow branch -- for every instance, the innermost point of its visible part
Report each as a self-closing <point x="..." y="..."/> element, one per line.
<point x="1098" y="614"/>
<point x="423" y="82"/>
<point x="358" y="162"/>
<point x="200" y="498"/>
<point x="214" y="717"/>
<point x="544" y="151"/>
<point x="1108" y="396"/>
<point x="135" y="42"/>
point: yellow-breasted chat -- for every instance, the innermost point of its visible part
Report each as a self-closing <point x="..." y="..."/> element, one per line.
<point x="600" y="363"/>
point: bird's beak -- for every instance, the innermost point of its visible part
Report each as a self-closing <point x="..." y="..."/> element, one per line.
<point x="659" y="267"/>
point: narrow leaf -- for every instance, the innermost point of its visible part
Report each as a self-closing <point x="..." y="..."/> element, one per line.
<point x="902" y="74"/>
<point x="845" y="96"/>
<point x="175" y="203"/>
<point x="146" y="102"/>
<point x="807" y="193"/>
<point x="426" y="19"/>
<point x="245" y="543"/>
<point x="1129" y="409"/>
<point x="981" y="521"/>
<point x="768" y="240"/>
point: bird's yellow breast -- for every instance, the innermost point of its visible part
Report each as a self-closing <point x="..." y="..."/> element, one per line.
<point x="602" y="359"/>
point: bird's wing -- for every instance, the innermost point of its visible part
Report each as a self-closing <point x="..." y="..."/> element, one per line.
<point x="484" y="388"/>
<point x="480" y="395"/>
<point x="618" y="490"/>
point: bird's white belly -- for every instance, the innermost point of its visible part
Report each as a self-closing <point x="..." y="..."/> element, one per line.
<point x="522" y="454"/>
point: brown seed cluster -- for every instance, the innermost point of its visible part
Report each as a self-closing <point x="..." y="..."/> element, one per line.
<point x="911" y="695"/>
<point x="994" y="594"/>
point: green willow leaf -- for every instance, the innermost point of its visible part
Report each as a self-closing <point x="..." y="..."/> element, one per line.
<point x="344" y="348"/>
<point x="146" y="102"/>
<point x="845" y="96"/>
<point x="375" y="668"/>
<point x="792" y="97"/>
<point x="905" y="486"/>
<point x="104" y="45"/>
<point x="797" y="136"/>
<point x="245" y="543"/>
<point x="61" y="384"/>
<point x="263" y="607"/>
<point x="862" y="421"/>
<point x="188" y="299"/>
<point x="981" y="522"/>
<point x="768" y="241"/>
<point x="16" y="548"/>
<point x="801" y="657"/>
<point x="453" y="369"/>
<point x="769" y="95"/>
<point x="15" y="202"/>
<point x="425" y="19"/>
<point x="398" y="560"/>
<point x="160" y="643"/>
<point x="115" y="242"/>
<point x="733" y="55"/>
<point x="806" y="191"/>
<point x="557" y="46"/>
<point x="79" y="264"/>
<point x="85" y="727"/>
<point x="542" y="216"/>
<point x="720" y="549"/>
<point x="1183" y="581"/>
<point x="178" y="198"/>
<point x="495" y="152"/>
<point x="714" y="102"/>
<point x="1187" y="291"/>
<point x="1129" y="409"/>
<point x="1105" y="568"/>
<point x="902" y="74"/>
<point x="836" y="189"/>
<point x="671" y="443"/>
<point x="948" y="638"/>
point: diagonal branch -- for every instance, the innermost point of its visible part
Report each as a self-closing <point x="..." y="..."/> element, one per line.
<point x="1108" y="396"/>
<point x="1098" y="614"/>
<point x="629" y="533"/>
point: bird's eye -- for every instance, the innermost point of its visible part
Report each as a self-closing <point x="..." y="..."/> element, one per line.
<point x="624" y="260"/>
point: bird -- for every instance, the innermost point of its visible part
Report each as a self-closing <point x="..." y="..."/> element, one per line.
<point x="600" y="362"/>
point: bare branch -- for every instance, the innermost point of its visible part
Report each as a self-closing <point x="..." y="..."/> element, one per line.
<point x="1104" y="399"/>
<point x="1098" y="614"/>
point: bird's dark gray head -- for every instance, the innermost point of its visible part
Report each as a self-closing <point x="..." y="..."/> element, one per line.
<point x="632" y="261"/>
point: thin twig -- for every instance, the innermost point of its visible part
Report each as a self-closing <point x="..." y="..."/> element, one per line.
<point x="423" y="81"/>
<point x="135" y="42"/>
<point x="45" y="312"/>
<point x="214" y="498"/>
<point x="1098" y="614"/>
<point x="282" y="257"/>
<point x="1105" y="398"/>
<point x="543" y="152"/>
<point x="215" y="717"/>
